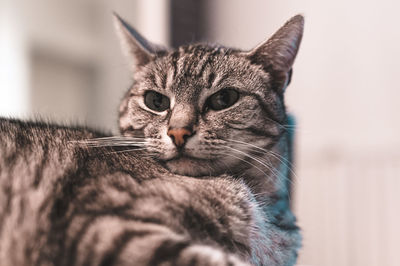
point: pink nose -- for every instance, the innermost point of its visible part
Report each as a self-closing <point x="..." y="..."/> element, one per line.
<point x="179" y="135"/>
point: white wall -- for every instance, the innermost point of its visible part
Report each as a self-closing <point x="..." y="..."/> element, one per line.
<point x="14" y="72"/>
<point x="345" y="94"/>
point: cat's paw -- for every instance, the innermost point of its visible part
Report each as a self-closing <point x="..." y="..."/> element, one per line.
<point x="202" y="255"/>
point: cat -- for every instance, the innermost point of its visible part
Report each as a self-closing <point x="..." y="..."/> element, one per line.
<point x="199" y="175"/>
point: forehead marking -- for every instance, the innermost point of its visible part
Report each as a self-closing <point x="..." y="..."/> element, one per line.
<point x="210" y="79"/>
<point x="174" y="62"/>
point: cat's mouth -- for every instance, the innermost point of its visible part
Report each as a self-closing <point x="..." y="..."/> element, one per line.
<point x="184" y="164"/>
<point x="184" y="157"/>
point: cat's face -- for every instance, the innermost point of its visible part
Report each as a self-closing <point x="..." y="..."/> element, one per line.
<point x="200" y="107"/>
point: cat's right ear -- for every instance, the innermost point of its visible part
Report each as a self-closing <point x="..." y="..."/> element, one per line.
<point x="138" y="50"/>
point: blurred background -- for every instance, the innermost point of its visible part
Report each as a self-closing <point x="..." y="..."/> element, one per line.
<point x="61" y="60"/>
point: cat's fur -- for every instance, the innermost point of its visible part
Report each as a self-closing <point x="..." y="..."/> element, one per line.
<point x="72" y="196"/>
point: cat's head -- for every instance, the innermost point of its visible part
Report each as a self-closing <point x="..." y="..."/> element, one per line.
<point x="206" y="110"/>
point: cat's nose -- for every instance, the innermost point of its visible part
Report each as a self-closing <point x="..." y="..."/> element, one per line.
<point x="179" y="135"/>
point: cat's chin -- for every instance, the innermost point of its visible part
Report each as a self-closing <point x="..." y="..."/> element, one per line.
<point x="192" y="166"/>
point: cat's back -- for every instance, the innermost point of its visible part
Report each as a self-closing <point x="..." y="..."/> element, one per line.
<point x="49" y="178"/>
<point x="63" y="200"/>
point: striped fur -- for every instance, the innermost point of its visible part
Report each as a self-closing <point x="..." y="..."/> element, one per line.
<point x="65" y="203"/>
<point x="73" y="196"/>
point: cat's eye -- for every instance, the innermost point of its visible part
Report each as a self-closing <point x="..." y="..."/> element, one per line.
<point x="156" y="101"/>
<point x="223" y="99"/>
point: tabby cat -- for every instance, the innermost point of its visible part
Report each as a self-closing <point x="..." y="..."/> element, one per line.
<point x="199" y="175"/>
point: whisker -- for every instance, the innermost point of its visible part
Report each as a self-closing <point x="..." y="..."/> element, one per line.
<point x="118" y="137"/>
<point x="249" y="163"/>
<point x="115" y="138"/>
<point x="288" y="127"/>
<point x="276" y="170"/>
<point x="249" y="144"/>
<point x="128" y="150"/>
<point x="285" y="161"/>
<point x="277" y="173"/>
<point x="115" y="144"/>
<point x="279" y="157"/>
<point x="255" y="159"/>
<point x="277" y="123"/>
<point x="112" y="141"/>
<point x="269" y="166"/>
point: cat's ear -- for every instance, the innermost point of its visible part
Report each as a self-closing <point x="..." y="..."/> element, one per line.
<point x="277" y="54"/>
<point x="138" y="50"/>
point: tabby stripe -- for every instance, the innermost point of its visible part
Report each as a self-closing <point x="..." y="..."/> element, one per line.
<point x="210" y="80"/>
<point x="169" y="249"/>
<point x="222" y="79"/>
<point x="265" y="107"/>
<point x="39" y="168"/>
<point x="180" y="64"/>
<point x="204" y="56"/>
<point x="210" y="58"/>
<point x="175" y="55"/>
<point x="66" y="183"/>
<point x="91" y="251"/>
<point x="7" y="190"/>
<point x="204" y="63"/>
<point x="73" y="247"/>
<point x="22" y="210"/>
<point x="163" y="81"/>
<point x="95" y="215"/>
<point x="201" y="65"/>
<point x="119" y="244"/>
<point x="11" y="160"/>
<point x="188" y="63"/>
<point x="153" y="80"/>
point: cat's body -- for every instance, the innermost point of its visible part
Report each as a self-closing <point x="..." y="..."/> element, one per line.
<point x="208" y="185"/>
<point x="69" y="204"/>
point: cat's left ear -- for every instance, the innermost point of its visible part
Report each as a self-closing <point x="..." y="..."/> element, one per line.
<point x="138" y="50"/>
<point x="277" y="54"/>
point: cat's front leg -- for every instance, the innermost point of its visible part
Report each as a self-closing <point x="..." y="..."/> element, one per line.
<point x="173" y="250"/>
<point x="144" y="244"/>
<point x="207" y="255"/>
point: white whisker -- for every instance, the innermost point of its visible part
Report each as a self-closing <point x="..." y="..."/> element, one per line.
<point x="285" y="161"/>
<point x="128" y="150"/>
<point x="249" y="163"/>
<point x="279" y="157"/>
<point x="113" y="141"/>
<point x="255" y="159"/>
<point x="288" y="127"/>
